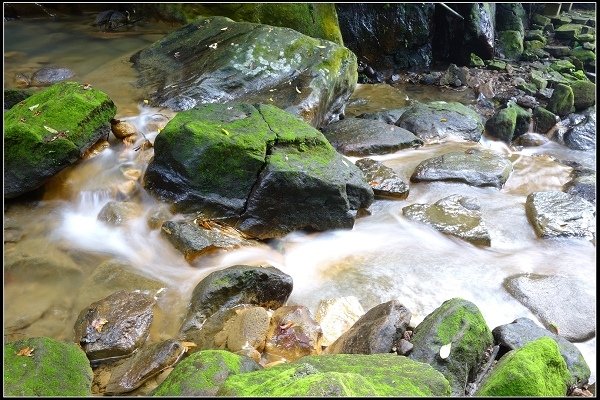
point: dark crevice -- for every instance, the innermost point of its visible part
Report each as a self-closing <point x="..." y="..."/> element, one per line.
<point x="268" y="152"/>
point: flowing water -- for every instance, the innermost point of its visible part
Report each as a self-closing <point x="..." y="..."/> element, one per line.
<point x="54" y="243"/>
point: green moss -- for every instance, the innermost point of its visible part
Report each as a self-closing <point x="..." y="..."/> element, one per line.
<point x="562" y="100"/>
<point x="497" y="65"/>
<point x="55" y="369"/>
<point x="341" y="375"/>
<point x="476" y="61"/>
<point x="562" y="66"/>
<point x="533" y="44"/>
<point x="536" y="369"/>
<point x="568" y="31"/>
<point x="543" y="120"/>
<point x="584" y="55"/>
<point x="540" y="20"/>
<point x="511" y="43"/>
<point x="202" y="373"/>
<point x="528" y="88"/>
<point x="536" y="35"/>
<point x="584" y="94"/>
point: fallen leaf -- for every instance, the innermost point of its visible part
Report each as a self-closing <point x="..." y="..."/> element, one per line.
<point x="445" y="351"/>
<point x="189" y="344"/>
<point x="298" y="90"/>
<point x="51" y="130"/>
<point x="22" y="120"/>
<point x="224" y="29"/>
<point x="33" y="107"/>
<point x="26" y="351"/>
<point x="321" y="47"/>
<point x="443" y="120"/>
<point x="146" y="101"/>
<point x="213" y="46"/>
<point x="270" y="99"/>
<point x="87" y="86"/>
<point x="98" y="323"/>
<point x="225" y="131"/>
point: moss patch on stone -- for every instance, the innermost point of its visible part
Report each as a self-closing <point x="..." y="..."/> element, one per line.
<point x="584" y="94"/>
<point x="562" y="100"/>
<point x="53" y="369"/>
<point x="511" y="43"/>
<point x="537" y="369"/>
<point x="543" y="120"/>
<point x="508" y="123"/>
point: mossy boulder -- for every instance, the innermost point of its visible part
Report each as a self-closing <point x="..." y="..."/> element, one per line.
<point x="252" y="165"/>
<point x="540" y="20"/>
<point x="533" y="45"/>
<point x="496" y="65"/>
<point x="49" y="131"/>
<point x="543" y="120"/>
<point x="536" y="35"/>
<point x="457" y="322"/>
<point x="437" y="120"/>
<point x="537" y="369"/>
<point x="341" y="375"/>
<point x="562" y="66"/>
<point x="537" y="78"/>
<point x="508" y="123"/>
<point x="217" y="60"/>
<point x="510" y="17"/>
<point x="317" y="20"/>
<point x="562" y="100"/>
<point x="203" y="373"/>
<point x="584" y="94"/>
<point x="511" y="43"/>
<point x="586" y="56"/>
<point x="567" y="31"/>
<point x="50" y="369"/>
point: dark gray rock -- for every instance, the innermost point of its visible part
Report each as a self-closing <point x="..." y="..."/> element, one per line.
<point x="459" y="323"/>
<point x="115" y="326"/>
<point x="387" y="116"/>
<point x="147" y="362"/>
<point x="240" y="284"/>
<point x="558" y="214"/>
<point x="579" y="130"/>
<point x="511" y="17"/>
<point x="50" y="75"/>
<point x="384" y="180"/>
<point x="543" y="120"/>
<point x="377" y="331"/>
<point x="454" y="215"/>
<point x="583" y="185"/>
<point x="560" y="303"/>
<point x="361" y="137"/>
<point x="523" y="330"/>
<point x="14" y="96"/>
<point x="217" y="60"/>
<point x="473" y="167"/>
<point x="437" y="120"/>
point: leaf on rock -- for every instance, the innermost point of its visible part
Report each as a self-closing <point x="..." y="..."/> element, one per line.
<point x="33" y="107"/>
<point x="445" y="351"/>
<point x="26" y="352"/>
<point x="51" y="130"/>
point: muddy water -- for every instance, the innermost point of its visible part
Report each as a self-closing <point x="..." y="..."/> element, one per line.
<point x="54" y="244"/>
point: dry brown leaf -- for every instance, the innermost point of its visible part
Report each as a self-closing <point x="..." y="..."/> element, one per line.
<point x="98" y="324"/>
<point x="26" y="351"/>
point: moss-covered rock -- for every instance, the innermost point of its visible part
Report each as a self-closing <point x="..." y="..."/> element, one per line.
<point x="45" y="367"/>
<point x="341" y="375"/>
<point x="568" y="31"/>
<point x="508" y="123"/>
<point x="49" y="131"/>
<point x="496" y="65"/>
<point x="586" y="56"/>
<point x="562" y="100"/>
<point x="533" y="44"/>
<point x="538" y="80"/>
<point x="203" y="373"/>
<point x="543" y="120"/>
<point x="476" y="61"/>
<point x="511" y="43"/>
<point x="218" y="60"/>
<point x="528" y="87"/>
<point x="540" y="20"/>
<point x="586" y="37"/>
<point x="584" y="94"/>
<point x="317" y="20"/>
<point x="562" y="66"/>
<point x="536" y="35"/>
<point x="537" y="369"/>
<point x="458" y="323"/>
<point x="510" y="17"/>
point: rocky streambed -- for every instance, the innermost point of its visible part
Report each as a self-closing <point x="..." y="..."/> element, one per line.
<point x="261" y="226"/>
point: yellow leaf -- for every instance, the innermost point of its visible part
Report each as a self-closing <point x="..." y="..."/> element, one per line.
<point x="98" y="323"/>
<point x="51" y="130"/>
<point x="443" y="120"/>
<point x="225" y="131"/>
<point x="26" y="351"/>
<point x="146" y="101"/>
<point x="189" y="344"/>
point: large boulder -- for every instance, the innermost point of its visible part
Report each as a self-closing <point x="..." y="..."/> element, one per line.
<point x="49" y="131"/>
<point x="509" y="123"/>
<point x="45" y="367"/>
<point x="511" y="17"/>
<point x="264" y="169"/>
<point x="217" y="60"/>
<point x="457" y="323"/>
<point x="340" y="375"/>
<point x="435" y="121"/>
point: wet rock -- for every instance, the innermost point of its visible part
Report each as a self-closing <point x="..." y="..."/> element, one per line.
<point x="543" y="120"/>
<point x="387" y="116"/>
<point x="147" y="362"/>
<point x="45" y="367"/>
<point x="454" y="215"/>
<point x="536" y="35"/>
<point x="558" y="214"/>
<point x="523" y="331"/>
<point x="340" y="375"/>
<point x="508" y="123"/>
<point x="240" y="284"/>
<point x="510" y="17"/>
<point x="115" y="326"/>
<point x="157" y="216"/>
<point x="536" y="369"/>
<point x="77" y="119"/>
<point x="111" y="20"/>
<point x="122" y="129"/>
<point x="567" y="31"/>
<point x="578" y="131"/>
<point x="473" y="167"/>
<point x="258" y="162"/>
<point x="531" y="139"/>
<point x="527" y="101"/>
<point x="384" y="180"/>
<point x="245" y="331"/>
<point x="293" y="333"/>
<point x="583" y="185"/>
<point x="361" y="137"/>
<point x="404" y="347"/>
<point x="562" y="100"/>
<point x="437" y="120"/>
<point x="50" y="75"/>
<point x="562" y="66"/>
<point x="459" y="323"/>
<point x="119" y="212"/>
<point x="455" y="76"/>
<point x="496" y="65"/>
<point x="336" y="316"/>
<point x="203" y="373"/>
<point x="194" y="240"/>
<point x="377" y="331"/>
<point x="245" y="62"/>
<point x="560" y="303"/>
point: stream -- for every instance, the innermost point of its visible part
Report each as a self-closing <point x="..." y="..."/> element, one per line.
<point x="384" y="256"/>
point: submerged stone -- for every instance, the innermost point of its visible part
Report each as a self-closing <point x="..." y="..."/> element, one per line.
<point x="558" y="214"/>
<point x="384" y="180"/>
<point x="473" y="167"/>
<point x="454" y="215"/>
<point x="560" y="303"/>
<point x="387" y="116"/>
<point x="536" y="369"/>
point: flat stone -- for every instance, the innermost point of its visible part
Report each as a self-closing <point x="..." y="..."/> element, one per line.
<point x="560" y="303"/>
<point x="384" y="180"/>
